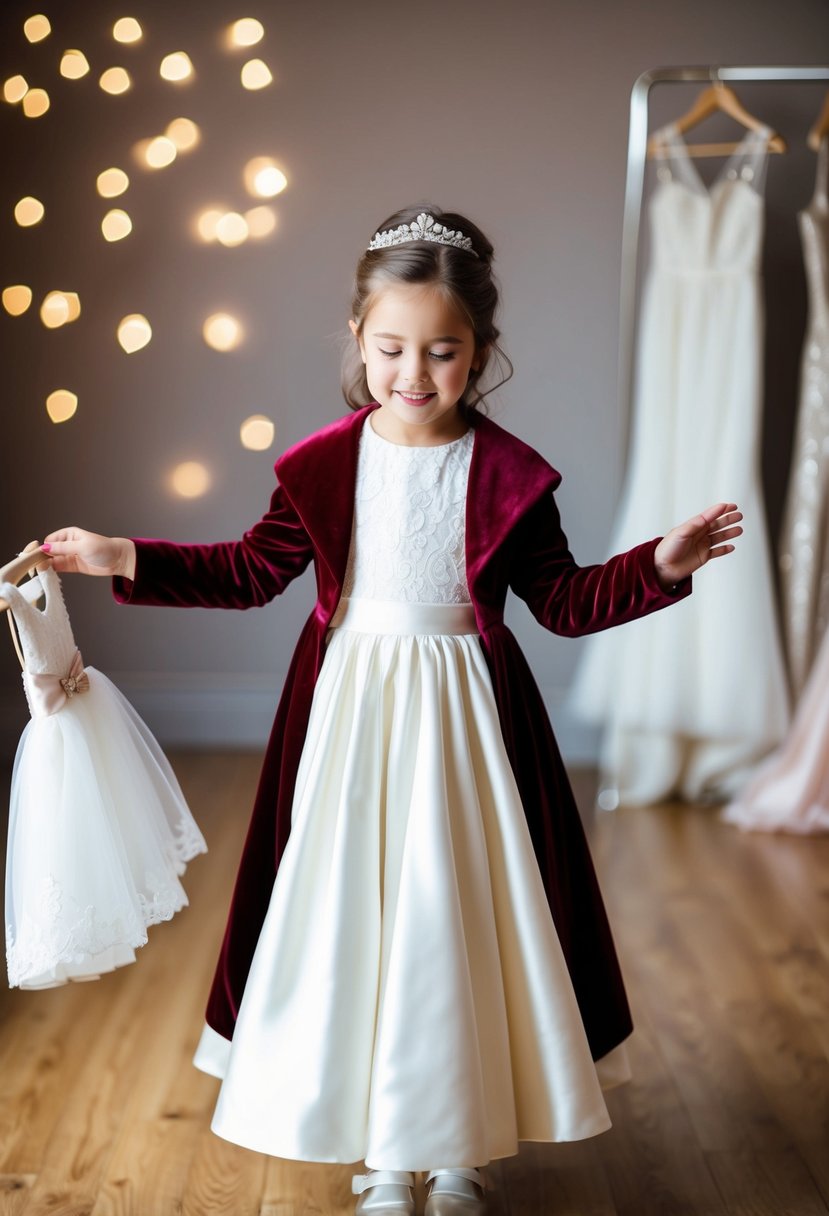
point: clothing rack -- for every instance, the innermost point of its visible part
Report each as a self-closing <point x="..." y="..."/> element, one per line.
<point x="634" y="188"/>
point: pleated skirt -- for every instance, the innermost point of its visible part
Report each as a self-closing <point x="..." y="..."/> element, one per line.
<point x="408" y="1002"/>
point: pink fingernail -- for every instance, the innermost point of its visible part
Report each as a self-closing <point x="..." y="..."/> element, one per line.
<point x="46" y="548"/>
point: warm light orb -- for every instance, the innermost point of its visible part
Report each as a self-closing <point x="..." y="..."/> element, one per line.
<point x="262" y="177"/>
<point x="54" y="311"/>
<point x="207" y="223"/>
<point x="115" y="80"/>
<point x="127" y="29"/>
<point x="74" y="304"/>
<point x="231" y="229"/>
<point x="61" y="404"/>
<point x="15" y="89"/>
<point x="221" y="331"/>
<point x="17" y="299"/>
<point x="261" y="221"/>
<point x="134" y="332"/>
<point x="112" y="182"/>
<point x="190" y="479"/>
<point x="184" y="133"/>
<point x="37" y="28"/>
<point x="256" y="433"/>
<point x="35" y="103"/>
<point x="74" y="65"/>
<point x="176" y="67"/>
<point x="29" y="211"/>
<point x="115" y="225"/>
<point x="160" y="152"/>
<point x="247" y="31"/>
<point x="256" y="74"/>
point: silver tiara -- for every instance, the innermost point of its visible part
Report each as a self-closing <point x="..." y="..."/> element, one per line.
<point x="425" y="229"/>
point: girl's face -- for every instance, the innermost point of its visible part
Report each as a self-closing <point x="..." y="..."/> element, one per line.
<point x="418" y="349"/>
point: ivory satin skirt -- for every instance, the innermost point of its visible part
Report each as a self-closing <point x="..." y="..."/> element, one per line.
<point x="408" y="1003"/>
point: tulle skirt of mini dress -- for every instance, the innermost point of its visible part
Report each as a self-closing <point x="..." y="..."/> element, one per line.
<point x="99" y="835"/>
<point x="408" y="1003"/>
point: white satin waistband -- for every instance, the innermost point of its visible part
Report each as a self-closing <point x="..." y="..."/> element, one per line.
<point x="403" y="617"/>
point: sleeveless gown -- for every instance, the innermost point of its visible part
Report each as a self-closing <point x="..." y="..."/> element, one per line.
<point x="804" y="548"/>
<point x="408" y="1002"/>
<point x="790" y="792"/>
<point x="692" y="699"/>
<point x="99" y="831"/>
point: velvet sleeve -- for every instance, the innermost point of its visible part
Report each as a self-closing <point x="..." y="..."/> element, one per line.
<point x="229" y="574"/>
<point x="573" y="600"/>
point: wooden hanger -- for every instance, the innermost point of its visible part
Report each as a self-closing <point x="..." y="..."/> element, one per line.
<point x="820" y="130"/>
<point x="716" y="97"/>
<point x="14" y="570"/>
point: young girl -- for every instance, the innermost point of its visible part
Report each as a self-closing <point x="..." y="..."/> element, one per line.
<point x="417" y="970"/>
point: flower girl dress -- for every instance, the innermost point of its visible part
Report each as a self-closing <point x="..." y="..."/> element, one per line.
<point x="99" y="831"/>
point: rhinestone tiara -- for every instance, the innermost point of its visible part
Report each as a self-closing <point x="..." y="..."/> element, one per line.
<point x="426" y="228"/>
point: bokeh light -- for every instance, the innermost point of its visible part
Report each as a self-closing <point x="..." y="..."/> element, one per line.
<point x="160" y="152"/>
<point x="256" y="74"/>
<point x="73" y="300"/>
<point x="222" y="332"/>
<point x="176" y="67"/>
<point x="256" y="433"/>
<point x="115" y="225"/>
<point x="127" y="29"/>
<point x="74" y="65"/>
<point x="35" y="103"/>
<point x="112" y="182"/>
<point x="261" y="221"/>
<point x="263" y="178"/>
<point x="15" y="89"/>
<point x="17" y="299"/>
<point x="29" y="211"/>
<point x="247" y="31"/>
<point x="54" y="311"/>
<point x="184" y="133"/>
<point x="61" y="405"/>
<point x="37" y="28"/>
<point x="207" y="221"/>
<point x="190" y="479"/>
<point x="115" y="80"/>
<point x="231" y="229"/>
<point x="134" y="332"/>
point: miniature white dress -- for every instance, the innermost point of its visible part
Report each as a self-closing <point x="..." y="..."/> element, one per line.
<point x="99" y="831"/>
<point x="408" y="1002"/>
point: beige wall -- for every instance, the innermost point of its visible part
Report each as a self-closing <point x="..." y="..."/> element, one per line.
<point x="516" y="114"/>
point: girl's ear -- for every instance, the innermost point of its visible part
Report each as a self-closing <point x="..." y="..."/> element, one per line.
<point x="352" y="325"/>
<point x="481" y="356"/>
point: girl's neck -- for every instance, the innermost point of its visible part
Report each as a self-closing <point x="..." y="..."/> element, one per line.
<point x="445" y="429"/>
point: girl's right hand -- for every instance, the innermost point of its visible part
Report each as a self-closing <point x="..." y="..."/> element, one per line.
<point x="75" y="551"/>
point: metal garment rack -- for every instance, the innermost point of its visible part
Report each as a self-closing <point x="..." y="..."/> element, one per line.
<point x="634" y="188"/>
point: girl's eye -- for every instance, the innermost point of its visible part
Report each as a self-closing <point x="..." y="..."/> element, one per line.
<point x="443" y="358"/>
<point x="392" y="354"/>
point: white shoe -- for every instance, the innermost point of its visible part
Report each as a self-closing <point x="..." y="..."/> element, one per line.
<point x="458" y="1191"/>
<point x="384" y="1191"/>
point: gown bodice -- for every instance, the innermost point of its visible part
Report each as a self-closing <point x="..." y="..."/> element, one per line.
<point x="45" y="635"/>
<point x="814" y="234"/>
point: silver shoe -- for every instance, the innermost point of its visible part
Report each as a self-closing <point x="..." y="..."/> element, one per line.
<point x="455" y="1192"/>
<point x="384" y="1192"/>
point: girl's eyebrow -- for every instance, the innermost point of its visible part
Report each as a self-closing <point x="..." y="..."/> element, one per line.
<point x="397" y="338"/>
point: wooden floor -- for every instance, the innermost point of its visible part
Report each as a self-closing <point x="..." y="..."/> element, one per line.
<point x="724" y="941"/>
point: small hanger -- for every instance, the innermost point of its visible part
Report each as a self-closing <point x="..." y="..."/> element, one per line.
<point x="717" y="97"/>
<point x="14" y="570"/>
<point x="820" y="130"/>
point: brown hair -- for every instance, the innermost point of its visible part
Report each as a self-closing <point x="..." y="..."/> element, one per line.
<point x="466" y="279"/>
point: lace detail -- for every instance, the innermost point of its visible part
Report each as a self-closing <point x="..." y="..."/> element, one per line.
<point x="408" y="539"/>
<point x="58" y="931"/>
<point x="45" y="636"/>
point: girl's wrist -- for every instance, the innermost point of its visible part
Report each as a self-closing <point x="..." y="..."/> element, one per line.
<point x="126" y="562"/>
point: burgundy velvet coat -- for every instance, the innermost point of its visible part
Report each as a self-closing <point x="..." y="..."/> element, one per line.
<point x="513" y="540"/>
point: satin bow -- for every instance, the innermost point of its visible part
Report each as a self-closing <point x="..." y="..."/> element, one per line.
<point x="48" y="693"/>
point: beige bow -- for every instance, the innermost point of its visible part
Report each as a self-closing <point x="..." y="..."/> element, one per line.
<point x="48" y="693"/>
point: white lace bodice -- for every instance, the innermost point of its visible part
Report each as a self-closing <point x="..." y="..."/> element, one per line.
<point x="45" y="636"/>
<point x="408" y="537"/>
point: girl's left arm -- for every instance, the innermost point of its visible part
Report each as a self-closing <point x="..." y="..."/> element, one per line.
<point x="572" y="600"/>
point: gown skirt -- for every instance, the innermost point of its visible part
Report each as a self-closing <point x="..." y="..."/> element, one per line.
<point x="408" y="1002"/>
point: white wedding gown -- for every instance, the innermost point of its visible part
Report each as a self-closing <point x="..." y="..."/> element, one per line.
<point x="408" y="1001"/>
<point x="693" y="698"/>
<point x="99" y="831"/>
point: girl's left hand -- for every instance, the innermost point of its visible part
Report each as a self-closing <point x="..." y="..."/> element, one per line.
<point x="689" y="546"/>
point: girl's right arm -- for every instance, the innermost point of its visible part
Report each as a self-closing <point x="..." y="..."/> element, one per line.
<point x="229" y="574"/>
